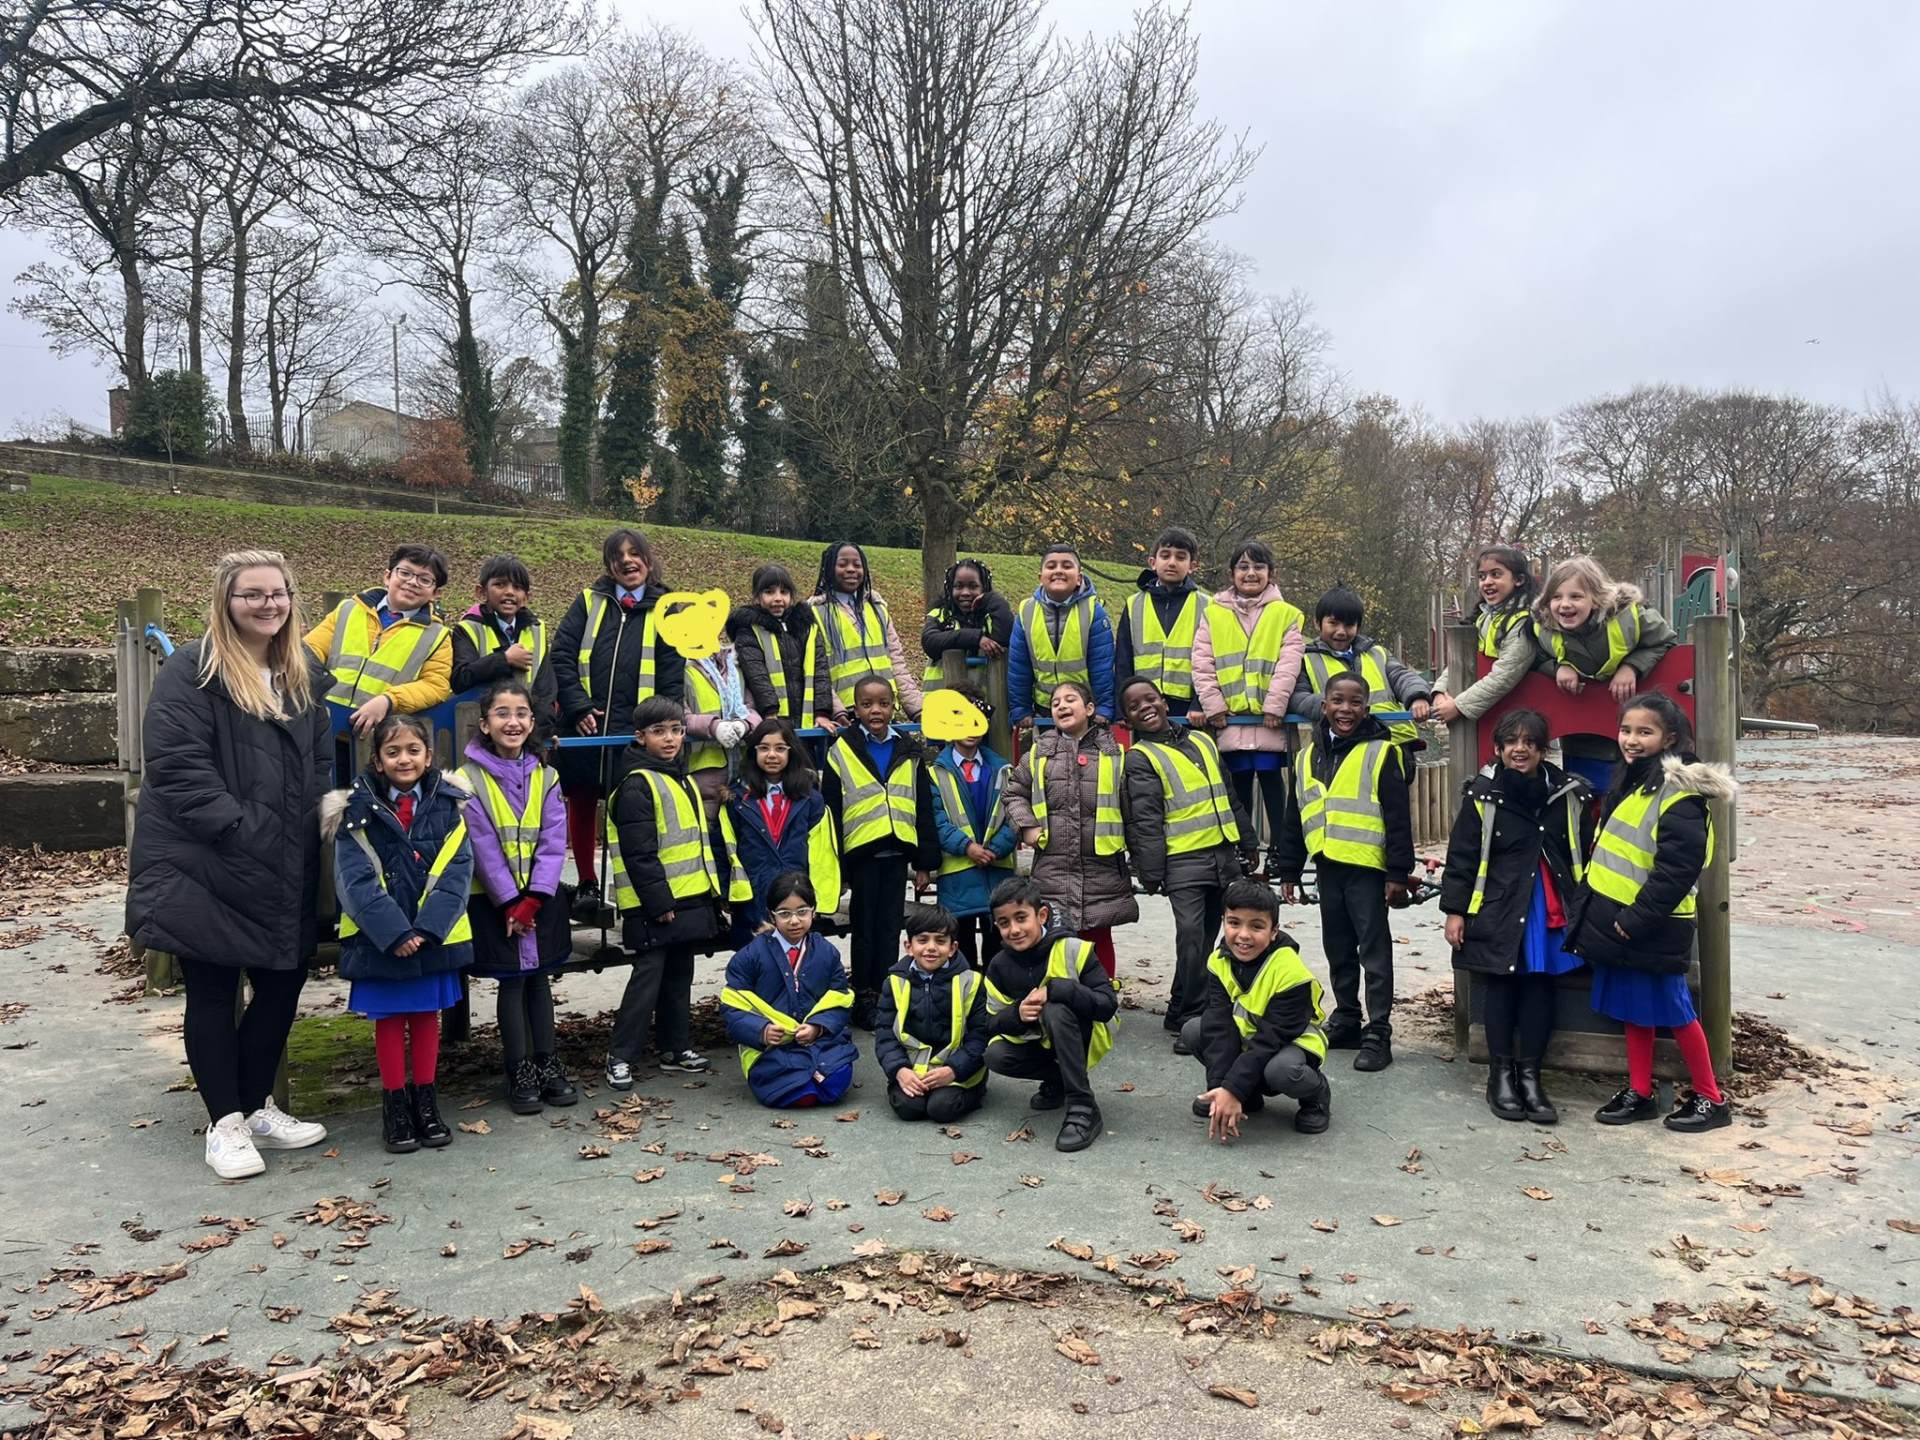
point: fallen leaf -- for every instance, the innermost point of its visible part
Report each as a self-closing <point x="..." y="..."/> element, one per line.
<point x="798" y="1209"/>
<point x="1077" y="1350"/>
<point x="1326" y="1227"/>
<point x="1905" y="1227"/>
<point x="847" y="1117"/>
<point x="784" y="1247"/>
<point x="1032" y="1182"/>
<point x="939" y="1214"/>
<point x="1025" y="1132"/>
<point x="1247" y="1398"/>
<point x="449" y="1250"/>
<point x="963" y="1157"/>
<point x="1500" y="1415"/>
<point x="651" y="1247"/>
<point x="475" y="1127"/>
<point x="594" y="1152"/>
<point x="1386" y="1220"/>
<point x="1534" y="1192"/>
<point x="888" y="1197"/>
<point x="1189" y="1231"/>
<point x="875" y="1246"/>
<point x="1070" y="1247"/>
<point x="647" y="1177"/>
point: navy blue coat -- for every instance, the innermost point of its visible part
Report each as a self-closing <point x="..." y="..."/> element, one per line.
<point x="761" y="858"/>
<point x="388" y="913"/>
<point x="966" y="892"/>
<point x="930" y="1019"/>
<point x="761" y="969"/>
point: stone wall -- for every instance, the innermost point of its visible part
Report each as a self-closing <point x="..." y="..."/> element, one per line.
<point x="58" y="706"/>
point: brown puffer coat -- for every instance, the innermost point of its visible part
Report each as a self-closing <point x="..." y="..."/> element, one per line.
<point x="1095" y="890"/>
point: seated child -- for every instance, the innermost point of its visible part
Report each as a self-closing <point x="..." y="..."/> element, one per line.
<point x="1260" y="1033"/>
<point x="786" y="1005"/>
<point x="931" y="1034"/>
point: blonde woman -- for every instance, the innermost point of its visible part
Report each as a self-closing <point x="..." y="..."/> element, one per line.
<point x="226" y="847"/>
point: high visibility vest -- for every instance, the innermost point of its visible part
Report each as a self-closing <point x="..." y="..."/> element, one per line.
<point x="1064" y="962"/>
<point x="367" y="661"/>
<point x="519" y="832"/>
<point x="684" y="851"/>
<point x="823" y="863"/>
<point x="921" y="1057"/>
<point x="1164" y="656"/>
<point x="462" y="930"/>
<point x="855" y="647"/>
<point x="804" y="719"/>
<point x="1623" y="853"/>
<point x="1493" y="627"/>
<point x="1199" y="809"/>
<point x="1243" y="664"/>
<point x="1282" y="970"/>
<point x="486" y="640"/>
<point x="1068" y="661"/>
<point x="1489" y="816"/>
<point x="597" y="607"/>
<point x="703" y="697"/>
<point x="953" y="794"/>
<point x="870" y="809"/>
<point x="933" y="677"/>
<point x="1623" y="634"/>
<point x="1109" y="825"/>
<point x="1371" y="666"/>
<point x="747" y="1000"/>
<point x="1343" y="821"/>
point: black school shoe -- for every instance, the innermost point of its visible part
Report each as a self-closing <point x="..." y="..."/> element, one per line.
<point x="1316" y="1111"/>
<point x="396" y="1123"/>
<point x="1695" y="1113"/>
<point x="1202" y="1106"/>
<point x="1376" y="1051"/>
<point x="1180" y="1046"/>
<point x="555" y="1087"/>
<point x="427" y="1124"/>
<point x="864" y="1007"/>
<point x="1050" y="1096"/>
<point x="1627" y="1107"/>
<point x="1343" y="1036"/>
<point x="1079" y="1130"/>
<point x="523" y="1088"/>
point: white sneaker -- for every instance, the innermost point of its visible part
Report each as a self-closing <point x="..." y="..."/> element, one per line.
<point x="274" y="1129"/>
<point x="230" y="1149"/>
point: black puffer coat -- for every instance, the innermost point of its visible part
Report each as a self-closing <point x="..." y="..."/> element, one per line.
<point x="1529" y="825"/>
<point x="613" y="678"/>
<point x="695" y="920"/>
<point x="225" y="862"/>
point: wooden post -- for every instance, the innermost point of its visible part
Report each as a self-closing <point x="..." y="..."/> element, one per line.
<point x="991" y="678"/>
<point x="134" y="668"/>
<point x="1717" y="722"/>
<point x="1463" y="759"/>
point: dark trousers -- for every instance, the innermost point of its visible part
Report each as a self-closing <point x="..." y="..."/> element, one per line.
<point x="234" y="1062"/>
<point x="1272" y="785"/>
<point x="525" y="1011"/>
<point x="1354" y="934"/>
<point x="658" y="998"/>
<point x="1196" y="925"/>
<point x="1518" y="1014"/>
<point x="875" y="917"/>
<point x="967" y="936"/>
<point x="1065" y="1064"/>
<point x="1292" y="1072"/>
<point x="942" y="1106"/>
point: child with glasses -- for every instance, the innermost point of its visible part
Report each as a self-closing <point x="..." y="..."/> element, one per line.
<point x="387" y="649"/>
<point x="787" y="1005"/>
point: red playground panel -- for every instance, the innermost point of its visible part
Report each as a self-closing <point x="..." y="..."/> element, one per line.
<point x="1593" y="711"/>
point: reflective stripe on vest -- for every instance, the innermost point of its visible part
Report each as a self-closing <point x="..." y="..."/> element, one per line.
<point x="924" y="1057"/>
<point x="777" y="676"/>
<point x="1623" y="634"/>
<point x="462" y="930"/>
<point x="1343" y="821"/>
<point x="1489" y="814"/>
<point x="1109" y="827"/>
<point x="1623" y="854"/>
<point x="703" y="698"/>
<point x="953" y="794"/>
<point x="1371" y="666"/>
<point x="823" y="863"/>
<point x="1069" y="662"/>
<point x="1065" y="961"/>
<point x="753" y="1004"/>
<point x="519" y="833"/>
<point x="855" y="647"/>
<point x="363" y="667"/>
<point x="1282" y="970"/>
<point x="597" y="607"/>
<point x="1164" y="656"/>
<point x="486" y="641"/>
<point x="1243" y="664"/>
<point x="1493" y="626"/>
<point x="682" y="847"/>
<point x="869" y="809"/>
<point x="1199" y="809"/>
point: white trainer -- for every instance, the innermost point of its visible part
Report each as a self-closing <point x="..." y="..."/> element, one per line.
<point x="231" y="1153"/>
<point x="274" y="1129"/>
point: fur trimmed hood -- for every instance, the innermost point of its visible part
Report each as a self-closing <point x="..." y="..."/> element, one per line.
<point x="1715" y="782"/>
<point x="333" y="804"/>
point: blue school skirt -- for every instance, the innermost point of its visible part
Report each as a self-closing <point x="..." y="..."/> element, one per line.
<point x="1258" y="761"/>
<point x="1541" y="951"/>
<point x="1640" y="997"/>
<point x="383" y="999"/>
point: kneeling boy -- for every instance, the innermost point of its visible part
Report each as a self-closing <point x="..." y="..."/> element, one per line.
<point x="930" y="1035"/>
<point x="1260" y="1032"/>
<point x="1050" y="1005"/>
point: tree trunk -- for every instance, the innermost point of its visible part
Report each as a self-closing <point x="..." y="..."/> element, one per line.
<point x="475" y="386"/>
<point x="276" y="387"/>
<point x="942" y="515"/>
<point x="134" y="320"/>
<point x="237" y="335"/>
<point x="197" y="292"/>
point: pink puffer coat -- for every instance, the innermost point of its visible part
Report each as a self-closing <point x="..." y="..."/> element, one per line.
<point x="1206" y="687"/>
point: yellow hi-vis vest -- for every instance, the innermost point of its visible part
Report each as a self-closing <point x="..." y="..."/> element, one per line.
<point x="1343" y="821"/>
<point x="953" y="795"/>
<point x="684" y="851"/>
<point x="859" y="645"/>
<point x="486" y="641"/>
<point x="823" y="863"/>
<point x="804" y="719"/>
<point x="1282" y="970"/>
<point x="1109" y="825"/>
<point x="753" y="1004"/>
<point x="597" y="607"/>
<point x="1050" y="665"/>
<point x="923" y="1058"/>
<point x="1623" y="853"/>
<point x="1623" y="634"/>
<point x="462" y="930"/>
<point x="1065" y="961"/>
<point x="703" y="697"/>
<point x="1490" y="815"/>
<point x="519" y="832"/>
<point x="1371" y="666"/>
<point x="869" y="808"/>
<point x="1164" y="656"/>
<point x="367" y="661"/>
<point x="1243" y="664"/>
<point x="1199" y="809"/>
<point x="1493" y="627"/>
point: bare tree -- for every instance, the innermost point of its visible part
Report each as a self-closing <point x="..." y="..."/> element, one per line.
<point x="315" y="346"/>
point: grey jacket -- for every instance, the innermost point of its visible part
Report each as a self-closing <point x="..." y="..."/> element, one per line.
<point x="1587" y="646"/>
<point x="1095" y="890"/>
<point x="1146" y="814"/>
<point x="1406" y="683"/>
<point x="1510" y="666"/>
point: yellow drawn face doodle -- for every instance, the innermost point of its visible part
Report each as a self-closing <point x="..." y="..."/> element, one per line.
<point x="948" y="716"/>
<point x="691" y="620"/>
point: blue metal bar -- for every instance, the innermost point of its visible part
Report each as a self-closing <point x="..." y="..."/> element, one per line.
<point x="156" y="638"/>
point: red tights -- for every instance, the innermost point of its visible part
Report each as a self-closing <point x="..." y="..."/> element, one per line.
<point x="1692" y="1041"/>
<point x="1102" y="941"/>
<point x="398" y="1035"/>
<point x="583" y="829"/>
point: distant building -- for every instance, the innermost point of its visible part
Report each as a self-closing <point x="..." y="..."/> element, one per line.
<point x="538" y="447"/>
<point x="361" y="430"/>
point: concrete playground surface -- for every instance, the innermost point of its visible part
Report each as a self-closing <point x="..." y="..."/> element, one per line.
<point x="1771" y="1259"/>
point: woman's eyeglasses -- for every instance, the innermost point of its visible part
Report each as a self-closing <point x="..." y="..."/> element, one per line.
<point x="259" y="599"/>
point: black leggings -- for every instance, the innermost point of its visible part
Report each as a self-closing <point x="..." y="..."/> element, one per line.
<point x="1518" y="1013"/>
<point x="234" y="1064"/>
<point x="1273" y="798"/>
<point x="526" y="1018"/>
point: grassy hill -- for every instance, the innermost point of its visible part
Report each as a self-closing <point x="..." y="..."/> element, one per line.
<point x="71" y="549"/>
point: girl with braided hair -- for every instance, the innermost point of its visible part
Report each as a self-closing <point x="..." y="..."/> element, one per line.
<point x="970" y="616"/>
<point x="861" y="639"/>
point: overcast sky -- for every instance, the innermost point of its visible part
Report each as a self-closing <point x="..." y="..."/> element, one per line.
<point x="1501" y="207"/>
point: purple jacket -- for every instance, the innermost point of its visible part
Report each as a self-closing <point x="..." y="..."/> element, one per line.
<point x="490" y="860"/>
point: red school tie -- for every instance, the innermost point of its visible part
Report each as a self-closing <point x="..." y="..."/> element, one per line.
<point x="968" y="768"/>
<point x="629" y="602"/>
<point x="403" y="810"/>
<point x="793" y="957"/>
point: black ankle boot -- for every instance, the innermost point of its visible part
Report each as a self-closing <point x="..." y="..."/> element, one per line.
<point x="555" y="1087"/>
<point x="396" y="1123"/>
<point x="1533" y="1095"/>
<point x="1503" y="1097"/>
<point x="427" y="1123"/>
<point x="523" y="1088"/>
